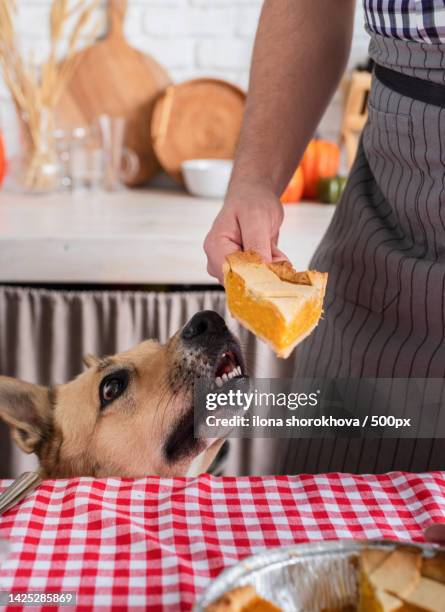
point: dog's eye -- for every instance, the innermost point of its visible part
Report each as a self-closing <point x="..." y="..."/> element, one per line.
<point x="112" y="387"/>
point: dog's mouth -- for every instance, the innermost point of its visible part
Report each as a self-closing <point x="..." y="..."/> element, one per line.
<point x="229" y="365"/>
<point x="182" y="442"/>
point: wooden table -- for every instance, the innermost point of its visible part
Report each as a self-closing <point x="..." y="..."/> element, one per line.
<point x="129" y="237"/>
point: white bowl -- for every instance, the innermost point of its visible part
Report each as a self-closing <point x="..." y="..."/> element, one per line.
<point x="207" y="178"/>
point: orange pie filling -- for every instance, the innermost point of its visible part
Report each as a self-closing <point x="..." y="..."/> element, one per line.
<point x="275" y="302"/>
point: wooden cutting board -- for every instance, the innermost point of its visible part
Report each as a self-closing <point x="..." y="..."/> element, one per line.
<point x="200" y="118"/>
<point x="112" y="77"/>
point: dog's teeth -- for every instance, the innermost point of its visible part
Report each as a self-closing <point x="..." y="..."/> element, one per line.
<point x="219" y="381"/>
<point x="225" y="377"/>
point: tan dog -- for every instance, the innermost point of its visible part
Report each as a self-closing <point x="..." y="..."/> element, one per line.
<point x="129" y="415"/>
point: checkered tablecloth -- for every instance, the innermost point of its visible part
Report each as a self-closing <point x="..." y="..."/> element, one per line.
<point x="155" y="543"/>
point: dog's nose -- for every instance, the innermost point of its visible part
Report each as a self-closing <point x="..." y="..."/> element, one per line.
<point x="202" y="323"/>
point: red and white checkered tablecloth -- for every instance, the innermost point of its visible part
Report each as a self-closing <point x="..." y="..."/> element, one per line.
<point x="155" y="543"/>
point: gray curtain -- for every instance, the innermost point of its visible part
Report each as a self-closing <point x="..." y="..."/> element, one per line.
<point x="45" y="333"/>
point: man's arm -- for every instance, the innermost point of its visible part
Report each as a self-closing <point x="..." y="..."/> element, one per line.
<point x="300" y="53"/>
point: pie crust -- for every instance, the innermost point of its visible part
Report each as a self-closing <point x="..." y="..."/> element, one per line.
<point x="401" y="581"/>
<point x="274" y="301"/>
<point x="242" y="599"/>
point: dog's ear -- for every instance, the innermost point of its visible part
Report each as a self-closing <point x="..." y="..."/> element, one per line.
<point x="25" y="408"/>
<point x="90" y="360"/>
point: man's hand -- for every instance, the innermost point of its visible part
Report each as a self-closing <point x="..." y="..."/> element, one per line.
<point x="250" y="219"/>
<point x="301" y="50"/>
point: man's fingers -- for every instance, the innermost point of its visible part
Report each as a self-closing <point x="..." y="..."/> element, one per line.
<point x="247" y="227"/>
<point x="257" y="238"/>
<point x="277" y="254"/>
<point x="216" y="252"/>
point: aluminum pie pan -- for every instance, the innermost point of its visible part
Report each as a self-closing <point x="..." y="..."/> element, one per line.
<point x="307" y="577"/>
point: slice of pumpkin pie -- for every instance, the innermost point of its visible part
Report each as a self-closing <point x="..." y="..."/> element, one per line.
<point x="274" y="301"/>
<point x="242" y="599"/>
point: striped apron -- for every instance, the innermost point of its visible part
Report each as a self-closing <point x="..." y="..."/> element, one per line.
<point x="385" y="254"/>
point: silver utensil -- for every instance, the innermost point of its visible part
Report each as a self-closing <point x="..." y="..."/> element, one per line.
<point x="18" y="490"/>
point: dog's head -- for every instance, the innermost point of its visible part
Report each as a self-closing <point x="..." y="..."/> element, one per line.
<point x="127" y="415"/>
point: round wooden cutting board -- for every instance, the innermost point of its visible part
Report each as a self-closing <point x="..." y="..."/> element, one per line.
<point x="194" y="120"/>
<point x="113" y="78"/>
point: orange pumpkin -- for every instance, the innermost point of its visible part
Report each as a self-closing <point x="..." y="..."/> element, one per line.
<point x="294" y="190"/>
<point x="320" y="160"/>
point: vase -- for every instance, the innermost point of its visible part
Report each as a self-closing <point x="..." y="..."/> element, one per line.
<point x="36" y="168"/>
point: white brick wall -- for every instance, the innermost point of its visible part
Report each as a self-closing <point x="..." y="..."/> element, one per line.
<point x="191" y="38"/>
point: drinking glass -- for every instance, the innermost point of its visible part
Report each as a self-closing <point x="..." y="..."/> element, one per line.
<point x="120" y="164"/>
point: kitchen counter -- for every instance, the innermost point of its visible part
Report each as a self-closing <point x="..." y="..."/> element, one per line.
<point x="129" y="237"/>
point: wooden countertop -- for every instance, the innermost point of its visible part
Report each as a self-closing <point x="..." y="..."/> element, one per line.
<point x="141" y="237"/>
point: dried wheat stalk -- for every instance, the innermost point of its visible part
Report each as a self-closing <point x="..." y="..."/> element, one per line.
<point x="36" y="90"/>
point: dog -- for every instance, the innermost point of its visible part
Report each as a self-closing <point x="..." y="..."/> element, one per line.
<point x="129" y="415"/>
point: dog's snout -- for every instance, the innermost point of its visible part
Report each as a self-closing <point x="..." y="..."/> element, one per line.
<point x="205" y="322"/>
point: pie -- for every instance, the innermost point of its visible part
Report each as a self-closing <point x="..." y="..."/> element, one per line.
<point x="274" y="301"/>
<point x="399" y="580"/>
<point x="402" y="580"/>
<point x="242" y="599"/>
